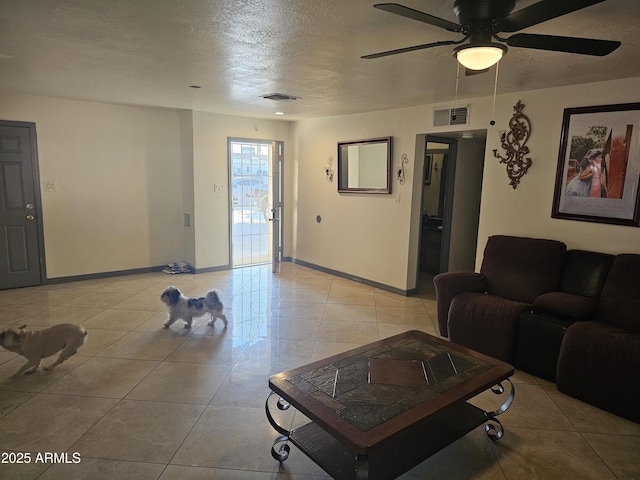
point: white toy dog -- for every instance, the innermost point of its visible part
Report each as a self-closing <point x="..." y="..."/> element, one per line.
<point x="35" y="345"/>
<point x="186" y="308"/>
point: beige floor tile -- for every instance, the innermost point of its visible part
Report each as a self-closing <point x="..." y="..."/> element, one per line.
<point x="215" y="349"/>
<point x="272" y="355"/>
<point x="469" y="457"/>
<point x="98" y="469"/>
<point x="144" y="302"/>
<point x="197" y="407"/>
<point x="403" y="315"/>
<point x="103" y="377"/>
<point x="531" y="408"/>
<point x="588" y="418"/>
<point x="351" y="295"/>
<point x="117" y="320"/>
<point x="55" y="315"/>
<point x="144" y="345"/>
<point x="243" y="387"/>
<point x="39" y="380"/>
<point x="9" y="401"/>
<point x="290" y="328"/>
<point x="243" y="430"/>
<point x="140" y="431"/>
<point x="614" y="450"/>
<point x="99" y="339"/>
<point x="349" y="313"/>
<point x="348" y="332"/>
<point x="21" y="471"/>
<point x="181" y="383"/>
<point x="323" y="350"/>
<point x="180" y="472"/>
<point x="548" y="454"/>
<point x="98" y="299"/>
<point x="51" y="423"/>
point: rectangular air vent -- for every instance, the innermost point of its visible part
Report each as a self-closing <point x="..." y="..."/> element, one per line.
<point x="280" y="97"/>
<point x="443" y="117"/>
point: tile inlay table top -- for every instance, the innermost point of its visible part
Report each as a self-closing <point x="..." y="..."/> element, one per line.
<point x="378" y="410"/>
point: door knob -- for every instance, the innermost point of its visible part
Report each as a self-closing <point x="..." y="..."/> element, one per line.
<point x="30" y="217"/>
<point x="29" y="206"/>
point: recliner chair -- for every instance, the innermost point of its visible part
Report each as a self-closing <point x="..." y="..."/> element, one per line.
<point x="481" y="310"/>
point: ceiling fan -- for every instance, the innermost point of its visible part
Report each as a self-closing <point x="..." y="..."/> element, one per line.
<point x="480" y="21"/>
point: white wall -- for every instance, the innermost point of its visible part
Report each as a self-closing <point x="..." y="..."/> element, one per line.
<point x="122" y="192"/>
<point x="118" y="203"/>
<point x="211" y="173"/>
<point x="527" y="209"/>
<point x="375" y="238"/>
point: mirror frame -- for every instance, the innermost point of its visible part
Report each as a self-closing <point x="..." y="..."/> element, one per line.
<point x="342" y="177"/>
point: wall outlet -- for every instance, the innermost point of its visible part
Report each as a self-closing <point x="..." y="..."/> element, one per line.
<point x="397" y="198"/>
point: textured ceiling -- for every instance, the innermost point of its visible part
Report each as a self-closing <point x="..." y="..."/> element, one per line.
<point x="148" y="52"/>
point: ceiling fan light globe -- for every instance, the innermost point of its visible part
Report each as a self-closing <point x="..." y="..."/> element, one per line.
<point x="479" y="57"/>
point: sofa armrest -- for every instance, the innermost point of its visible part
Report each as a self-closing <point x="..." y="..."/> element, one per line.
<point x="450" y="284"/>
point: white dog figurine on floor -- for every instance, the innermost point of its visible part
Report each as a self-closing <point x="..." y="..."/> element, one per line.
<point x="35" y="345"/>
<point x="186" y="308"/>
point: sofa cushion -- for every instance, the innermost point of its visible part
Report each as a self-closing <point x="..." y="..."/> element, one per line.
<point x="520" y="268"/>
<point x="485" y="323"/>
<point x="566" y="304"/>
<point x="620" y="298"/>
<point x="585" y="272"/>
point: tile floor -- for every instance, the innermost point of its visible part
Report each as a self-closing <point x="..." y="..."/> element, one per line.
<point x="142" y="402"/>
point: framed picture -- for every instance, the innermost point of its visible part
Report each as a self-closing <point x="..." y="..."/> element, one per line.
<point x="599" y="165"/>
<point x="427" y="169"/>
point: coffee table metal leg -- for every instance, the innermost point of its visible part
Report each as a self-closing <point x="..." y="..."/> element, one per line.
<point x="282" y="453"/>
<point x="362" y="467"/>
<point x="493" y="428"/>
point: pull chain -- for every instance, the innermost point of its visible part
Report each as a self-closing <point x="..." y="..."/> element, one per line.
<point x="495" y="89"/>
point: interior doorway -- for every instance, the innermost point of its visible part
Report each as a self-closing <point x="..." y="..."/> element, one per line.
<point x="452" y="191"/>
<point x="255" y="201"/>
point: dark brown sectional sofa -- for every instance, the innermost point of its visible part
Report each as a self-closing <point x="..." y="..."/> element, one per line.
<point x="570" y="316"/>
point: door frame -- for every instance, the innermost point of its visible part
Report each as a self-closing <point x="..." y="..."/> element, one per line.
<point x="37" y="195"/>
<point x="277" y="147"/>
<point x="449" y="186"/>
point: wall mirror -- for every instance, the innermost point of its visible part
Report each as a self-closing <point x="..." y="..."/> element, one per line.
<point x="364" y="166"/>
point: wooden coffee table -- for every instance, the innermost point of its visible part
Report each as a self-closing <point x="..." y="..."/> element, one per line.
<point x="379" y="410"/>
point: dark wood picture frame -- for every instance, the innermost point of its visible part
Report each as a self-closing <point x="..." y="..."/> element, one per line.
<point x="598" y="173"/>
<point x="428" y="166"/>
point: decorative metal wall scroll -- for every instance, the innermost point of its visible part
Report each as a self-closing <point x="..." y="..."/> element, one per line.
<point x="514" y="143"/>
<point x="404" y="159"/>
<point x="328" y="171"/>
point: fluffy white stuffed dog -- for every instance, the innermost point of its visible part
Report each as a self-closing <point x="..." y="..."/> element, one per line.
<point x="35" y="345"/>
<point x="182" y="307"/>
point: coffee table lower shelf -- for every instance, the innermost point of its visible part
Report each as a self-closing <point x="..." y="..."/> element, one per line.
<point x="397" y="455"/>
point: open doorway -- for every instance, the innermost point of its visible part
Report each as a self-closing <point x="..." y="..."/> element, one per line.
<point x="452" y="191"/>
<point x="255" y="201"/>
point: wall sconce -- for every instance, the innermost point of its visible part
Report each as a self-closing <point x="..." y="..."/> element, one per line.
<point x="328" y="171"/>
<point x="514" y="143"/>
<point x="436" y="167"/>
<point x="404" y="159"/>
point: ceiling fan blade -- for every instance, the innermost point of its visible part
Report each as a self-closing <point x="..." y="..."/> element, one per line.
<point x="583" y="46"/>
<point x="418" y="15"/>
<point x="541" y="12"/>
<point x="409" y="49"/>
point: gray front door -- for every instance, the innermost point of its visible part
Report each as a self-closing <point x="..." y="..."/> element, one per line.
<point x="21" y="246"/>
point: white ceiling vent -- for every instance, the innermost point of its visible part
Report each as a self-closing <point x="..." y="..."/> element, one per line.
<point x="280" y="97"/>
<point x="443" y="117"/>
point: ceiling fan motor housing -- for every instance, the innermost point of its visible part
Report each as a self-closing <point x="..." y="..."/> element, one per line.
<point x="479" y="18"/>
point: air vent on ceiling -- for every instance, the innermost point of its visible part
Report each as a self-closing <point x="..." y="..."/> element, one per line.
<point x="280" y="97"/>
<point x="450" y="116"/>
